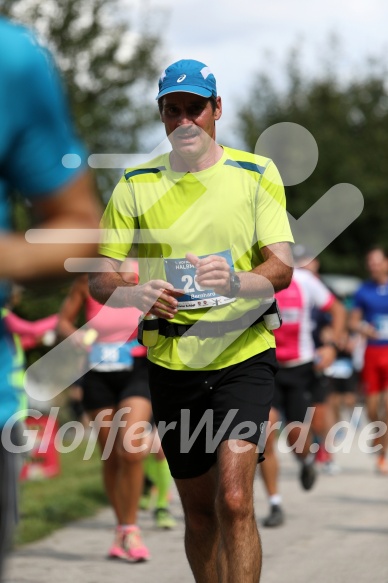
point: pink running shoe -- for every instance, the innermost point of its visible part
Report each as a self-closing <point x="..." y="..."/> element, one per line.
<point x="117" y="551"/>
<point x="133" y="545"/>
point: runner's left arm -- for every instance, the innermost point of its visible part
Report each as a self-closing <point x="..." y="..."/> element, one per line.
<point x="270" y="276"/>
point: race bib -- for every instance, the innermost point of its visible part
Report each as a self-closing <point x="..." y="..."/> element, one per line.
<point x="381" y="325"/>
<point x="110" y="356"/>
<point x="181" y="274"/>
<point x="340" y="369"/>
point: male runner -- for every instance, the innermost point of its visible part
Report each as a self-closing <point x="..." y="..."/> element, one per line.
<point x="213" y="241"/>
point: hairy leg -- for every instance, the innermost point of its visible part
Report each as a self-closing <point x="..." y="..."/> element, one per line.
<point x="202" y="532"/>
<point x="240" y="555"/>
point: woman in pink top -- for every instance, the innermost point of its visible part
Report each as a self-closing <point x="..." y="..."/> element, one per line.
<point x="30" y="333"/>
<point x="116" y="395"/>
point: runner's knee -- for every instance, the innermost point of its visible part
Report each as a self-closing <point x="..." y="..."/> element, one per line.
<point x="234" y="503"/>
<point x="130" y="456"/>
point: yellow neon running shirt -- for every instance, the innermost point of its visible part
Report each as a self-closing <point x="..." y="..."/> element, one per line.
<point x="233" y="208"/>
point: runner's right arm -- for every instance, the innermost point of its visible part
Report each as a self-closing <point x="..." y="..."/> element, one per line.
<point x="357" y="324"/>
<point x="71" y="307"/>
<point x="115" y="285"/>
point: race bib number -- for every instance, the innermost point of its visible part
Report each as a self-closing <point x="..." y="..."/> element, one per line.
<point x="181" y="274"/>
<point x="381" y="325"/>
<point x="110" y="356"/>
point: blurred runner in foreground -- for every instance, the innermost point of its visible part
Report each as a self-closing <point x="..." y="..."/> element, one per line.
<point x="36" y="138"/>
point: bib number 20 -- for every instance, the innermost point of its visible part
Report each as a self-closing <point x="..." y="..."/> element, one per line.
<point x="190" y="281"/>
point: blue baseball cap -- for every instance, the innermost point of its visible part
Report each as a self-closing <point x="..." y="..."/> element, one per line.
<point x="188" y="76"/>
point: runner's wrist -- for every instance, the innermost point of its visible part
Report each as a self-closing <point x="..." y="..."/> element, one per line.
<point x="332" y="344"/>
<point x="234" y="285"/>
<point x="364" y="327"/>
<point x="131" y="296"/>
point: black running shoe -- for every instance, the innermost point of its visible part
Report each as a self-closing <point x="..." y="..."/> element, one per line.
<point x="308" y="476"/>
<point x="275" y="517"/>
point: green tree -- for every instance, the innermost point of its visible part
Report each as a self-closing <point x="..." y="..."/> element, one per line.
<point x="349" y="121"/>
<point x="107" y="69"/>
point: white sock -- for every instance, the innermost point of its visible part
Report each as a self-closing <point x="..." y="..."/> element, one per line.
<point x="127" y="526"/>
<point x="309" y="459"/>
<point x="275" y="500"/>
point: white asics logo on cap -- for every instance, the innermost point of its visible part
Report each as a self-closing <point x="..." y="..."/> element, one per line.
<point x="181" y="78"/>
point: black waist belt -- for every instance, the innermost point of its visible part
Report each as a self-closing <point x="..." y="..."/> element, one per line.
<point x="208" y="329"/>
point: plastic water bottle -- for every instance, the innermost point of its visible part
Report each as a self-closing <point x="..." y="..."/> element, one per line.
<point x="150" y="330"/>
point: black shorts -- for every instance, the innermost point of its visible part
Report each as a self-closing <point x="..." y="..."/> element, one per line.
<point x="320" y="389"/>
<point x="233" y="401"/>
<point x="109" y="389"/>
<point x="342" y="386"/>
<point x="296" y="389"/>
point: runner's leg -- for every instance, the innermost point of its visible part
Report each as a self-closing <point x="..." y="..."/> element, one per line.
<point x="130" y="476"/>
<point x="222" y="541"/>
<point x="110" y="465"/>
<point x="270" y="466"/>
<point x="240" y="554"/>
<point x="270" y="473"/>
<point x="202" y="530"/>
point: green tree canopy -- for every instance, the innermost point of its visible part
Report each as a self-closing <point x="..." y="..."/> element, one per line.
<point x="107" y="69"/>
<point x="349" y="121"/>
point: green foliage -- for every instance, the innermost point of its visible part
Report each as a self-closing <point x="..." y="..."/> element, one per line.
<point x="107" y="69"/>
<point x="105" y="65"/>
<point x="49" y="504"/>
<point x="349" y="121"/>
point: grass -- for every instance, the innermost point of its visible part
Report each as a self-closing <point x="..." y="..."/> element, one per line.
<point x="48" y="504"/>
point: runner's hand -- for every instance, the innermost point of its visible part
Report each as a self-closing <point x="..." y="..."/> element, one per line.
<point x="77" y="339"/>
<point x="213" y="272"/>
<point x="325" y="356"/>
<point x="156" y="296"/>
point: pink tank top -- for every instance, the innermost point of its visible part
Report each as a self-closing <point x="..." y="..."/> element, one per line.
<point x="29" y="332"/>
<point x="114" y="324"/>
<point x="294" y="340"/>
